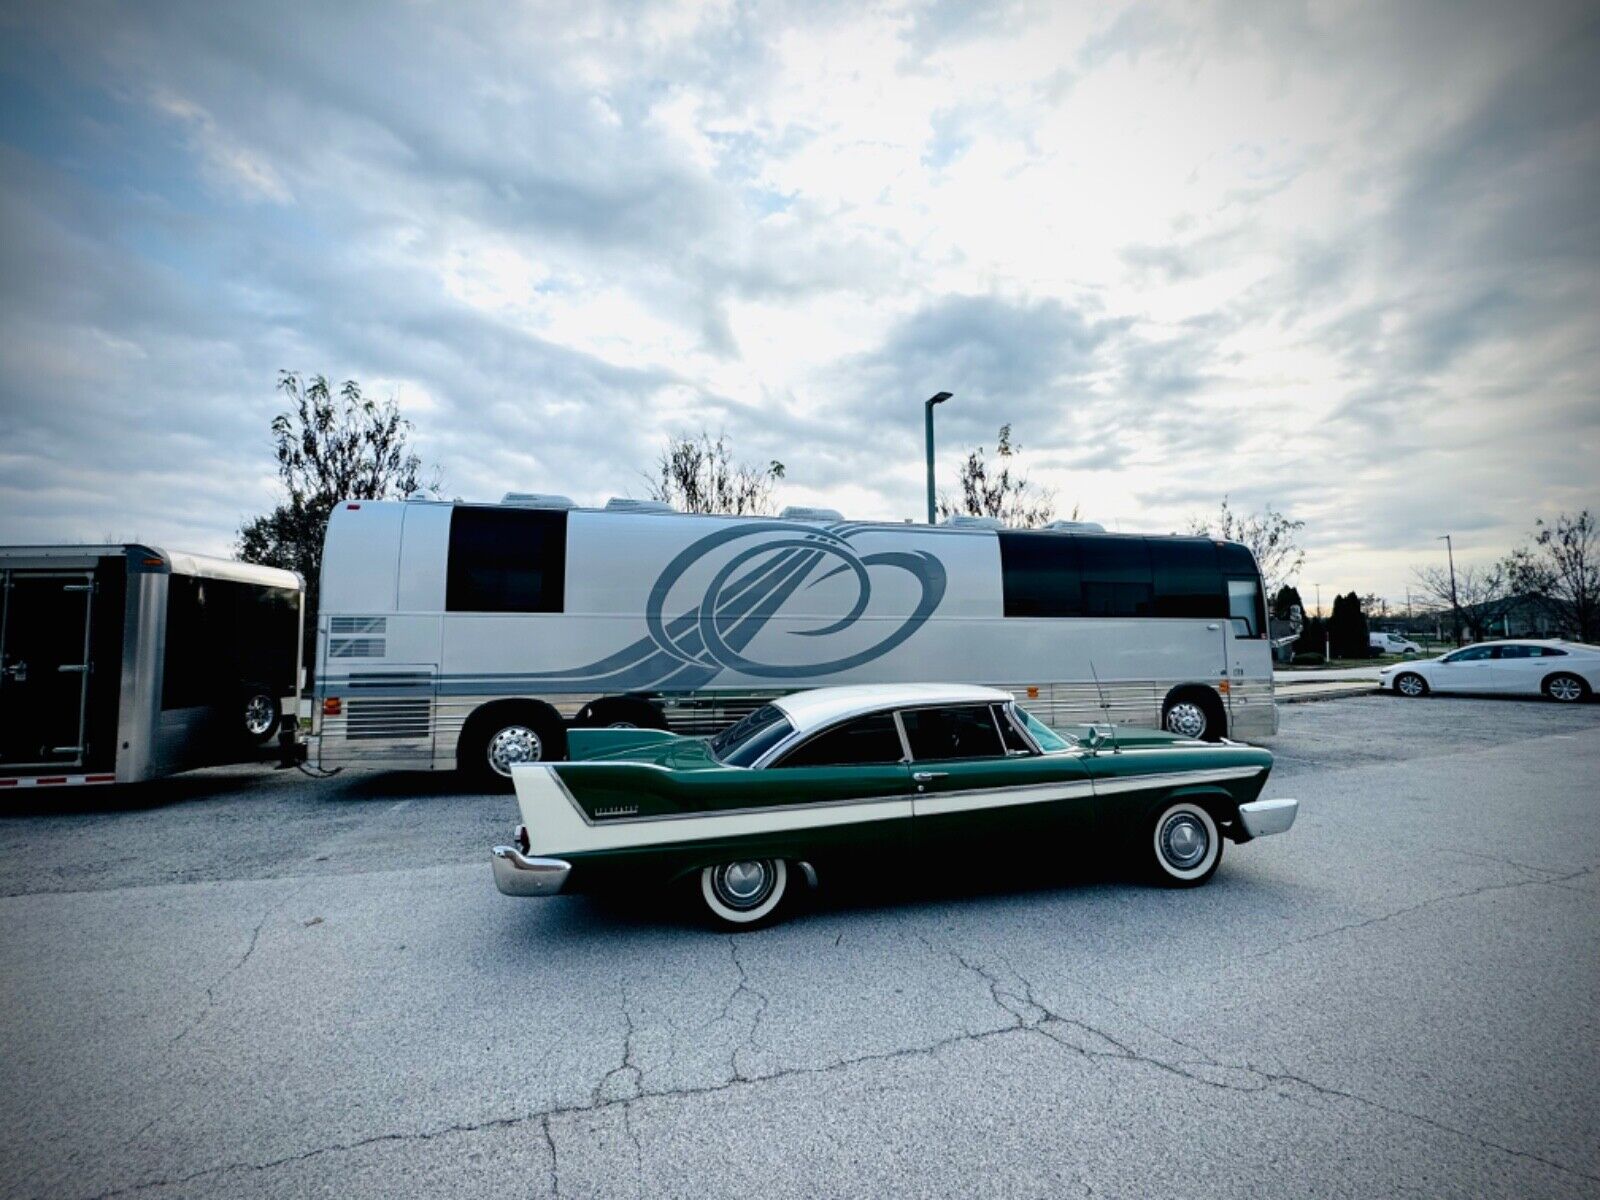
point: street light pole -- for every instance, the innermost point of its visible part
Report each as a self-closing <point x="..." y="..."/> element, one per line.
<point x="927" y="412"/>
<point x="1327" y="638"/>
<point x="1455" y="607"/>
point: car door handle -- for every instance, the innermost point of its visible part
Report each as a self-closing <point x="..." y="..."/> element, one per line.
<point x="928" y="776"/>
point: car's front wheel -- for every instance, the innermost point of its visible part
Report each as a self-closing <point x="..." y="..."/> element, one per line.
<point x="743" y="894"/>
<point x="1411" y="684"/>
<point x="1186" y="845"/>
<point x="1568" y="689"/>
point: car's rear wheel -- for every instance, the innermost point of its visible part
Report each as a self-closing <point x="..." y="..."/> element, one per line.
<point x="1186" y="845"/>
<point x="745" y="893"/>
<point x="1409" y="683"/>
<point x="1568" y="689"/>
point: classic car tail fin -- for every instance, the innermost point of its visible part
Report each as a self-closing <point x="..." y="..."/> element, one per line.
<point x="601" y="743"/>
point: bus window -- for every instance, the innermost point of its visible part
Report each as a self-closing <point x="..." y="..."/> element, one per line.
<point x="1188" y="581"/>
<point x="1244" y="607"/>
<point x="1039" y="575"/>
<point x="506" y="560"/>
<point x="1116" y="576"/>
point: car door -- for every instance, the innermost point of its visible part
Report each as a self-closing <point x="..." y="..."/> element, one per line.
<point x="1519" y="669"/>
<point x="978" y="786"/>
<point x="1468" y="670"/>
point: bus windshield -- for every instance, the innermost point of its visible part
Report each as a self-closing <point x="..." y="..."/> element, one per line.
<point x="743" y="742"/>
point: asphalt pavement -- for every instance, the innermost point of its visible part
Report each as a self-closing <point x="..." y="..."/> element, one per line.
<point x="248" y="983"/>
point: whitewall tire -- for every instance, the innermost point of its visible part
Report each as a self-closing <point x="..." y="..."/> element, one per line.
<point x="744" y="893"/>
<point x="1186" y="845"/>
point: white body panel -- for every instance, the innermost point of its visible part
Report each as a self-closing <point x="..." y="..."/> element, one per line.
<point x="797" y="604"/>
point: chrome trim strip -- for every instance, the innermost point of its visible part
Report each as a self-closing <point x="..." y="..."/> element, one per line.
<point x="1140" y="783"/>
<point x="516" y="874"/>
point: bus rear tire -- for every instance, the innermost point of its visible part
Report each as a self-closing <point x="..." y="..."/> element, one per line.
<point x="500" y="735"/>
<point x="1194" y="712"/>
<point x="620" y="712"/>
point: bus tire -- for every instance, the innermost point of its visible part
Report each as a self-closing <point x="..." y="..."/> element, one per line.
<point x="508" y="732"/>
<point x="620" y="712"/>
<point x="260" y="714"/>
<point x="1194" y="712"/>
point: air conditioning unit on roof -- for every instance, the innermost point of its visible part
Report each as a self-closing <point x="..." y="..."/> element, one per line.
<point x="535" y="500"/>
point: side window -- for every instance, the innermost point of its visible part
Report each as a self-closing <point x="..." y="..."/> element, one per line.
<point x="1188" y="581"/>
<point x="1472" y="654"/>
<point x="506" y="560"/>
<point x="866" y="741"/>
<point x="1116" y="577"/>
<point x="1521" y="651"/>
<point x="1244" y="607"/>
<point x="1039" y="575"/>
<point x="941" y="734"/>
<point x="1014" y="742"/>
<point x="1549" y="652"/>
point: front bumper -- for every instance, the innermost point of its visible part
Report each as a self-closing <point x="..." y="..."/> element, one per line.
<point x="1263" y="817"/>
<point x="516" y="874"/>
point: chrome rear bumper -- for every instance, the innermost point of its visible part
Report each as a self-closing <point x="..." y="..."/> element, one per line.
<point x="516" y="874"/>
<point x="1262" y="817"/>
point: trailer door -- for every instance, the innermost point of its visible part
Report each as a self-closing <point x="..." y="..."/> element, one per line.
<point x="44" y="667"/>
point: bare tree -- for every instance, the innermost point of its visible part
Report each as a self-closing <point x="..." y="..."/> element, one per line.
<point x="330" y="447"/>
<point x="699" y="475"/>
<point x="1563" y="567"/>
<point x="1482" y="593"/>
<point x="994" y="491"/>
<point x="1272" y="537"/>
<point x="1374" y="605"/>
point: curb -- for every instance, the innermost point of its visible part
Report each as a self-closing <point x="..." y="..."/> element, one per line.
<point x="1363" y="689"/>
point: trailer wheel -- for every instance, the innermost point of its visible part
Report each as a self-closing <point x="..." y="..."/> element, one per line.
<point x="500" y="735"/>
<point x="260" y="714"/>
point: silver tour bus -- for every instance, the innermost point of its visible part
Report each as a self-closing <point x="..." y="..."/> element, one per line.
<point x="121" y="663"/>
<point x="472" y="636"/>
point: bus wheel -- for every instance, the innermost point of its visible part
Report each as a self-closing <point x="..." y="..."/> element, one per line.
<point x="260" y="714"/>
<point x="1194" y="713"/>
<point x="620" y="712"/>
<point x="496" y="740"/>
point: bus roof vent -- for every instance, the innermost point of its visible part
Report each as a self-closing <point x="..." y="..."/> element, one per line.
<point x="962" y="521"/>
<point x="536" y="500"/>
<point x="804" y="512"/>
<point x="629" y="505"/>
<point x="1077" y="526"/>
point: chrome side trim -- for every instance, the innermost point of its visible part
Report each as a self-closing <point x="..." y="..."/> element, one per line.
<point x="516" y="874"/>
<point x="1264" y="817"/>
<point x="1140" y="783"/>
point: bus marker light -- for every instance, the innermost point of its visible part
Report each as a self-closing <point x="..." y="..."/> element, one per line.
<point x="1223" y="687"/>
<point x="1033" y="692"/>
<point x="331" y="707"/>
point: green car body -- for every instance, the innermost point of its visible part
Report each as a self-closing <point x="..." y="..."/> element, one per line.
<point x="642" y="806"/>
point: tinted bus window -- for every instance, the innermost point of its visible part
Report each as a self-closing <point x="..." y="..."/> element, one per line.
<point x="1039" y="575"/>
<point x="1116" y="576"/>
<point x="506" y="560"/>
<point x="1188" y="581"/>
<point x="1247" y="607"/>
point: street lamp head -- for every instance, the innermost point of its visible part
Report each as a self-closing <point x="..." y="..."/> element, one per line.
<point x="938" y="398"/>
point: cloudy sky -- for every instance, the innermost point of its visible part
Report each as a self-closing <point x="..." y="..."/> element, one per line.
<point x="1343" y="259"/>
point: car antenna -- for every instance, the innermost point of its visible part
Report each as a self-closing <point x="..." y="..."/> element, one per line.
<point x="1105" y="708"/>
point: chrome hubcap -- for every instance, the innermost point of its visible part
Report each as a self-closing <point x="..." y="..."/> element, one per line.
<point x="743" y="884"/>
<point x="1565" y="689"/>
<point x="1187" y="719"/>
<point x="513" y="744"/>
<point x="1410" y="685"/>
<point x="258" y="715"/>
<point x="1184" y="841"/>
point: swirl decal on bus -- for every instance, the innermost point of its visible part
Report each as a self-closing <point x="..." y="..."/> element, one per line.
<point x="749" y="589"/>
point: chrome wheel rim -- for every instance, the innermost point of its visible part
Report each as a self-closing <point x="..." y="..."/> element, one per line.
<point x="258" y="715"/>
<point x="513" y="744"/>
<point x="1409" y="685"/>
<point x="1186" y="718"/>
<point x="1184" y="841"/>
<point x="1565" y="688"/>
<point x="743" y="885"/>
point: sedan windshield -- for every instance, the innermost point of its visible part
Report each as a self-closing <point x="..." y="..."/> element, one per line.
<point x="743" y="742"/>
<point x="1044" y="737"/>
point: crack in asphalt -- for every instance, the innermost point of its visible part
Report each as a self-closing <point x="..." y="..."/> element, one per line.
<point x="627" y="1066"/>
<point x="743" y="988"/>
<point x="555" y="1167"/>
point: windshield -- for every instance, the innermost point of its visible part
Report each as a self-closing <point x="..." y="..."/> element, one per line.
<point x="741" y="743"/>
<point x="1046" y="738"/>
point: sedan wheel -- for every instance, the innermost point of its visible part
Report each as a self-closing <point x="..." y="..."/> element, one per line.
<point x="743" y="893"/>
<point x="1411" y="684"/>
<point x="1568" y="689"/>
<point x="1187" y="845"/>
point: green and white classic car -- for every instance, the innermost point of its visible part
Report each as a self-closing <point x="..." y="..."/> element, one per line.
<point x="880" y="773"/>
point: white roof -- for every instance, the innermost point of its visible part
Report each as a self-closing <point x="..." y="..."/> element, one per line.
<point x="823" y="706"/>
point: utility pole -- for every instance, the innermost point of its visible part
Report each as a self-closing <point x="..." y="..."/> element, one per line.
<point x="1455" y="607"/>
<point x="927" y="412"/>
<point x="1327" y="638"/>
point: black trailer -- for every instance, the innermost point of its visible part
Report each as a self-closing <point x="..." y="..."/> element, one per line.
<point x="124" y="663"/>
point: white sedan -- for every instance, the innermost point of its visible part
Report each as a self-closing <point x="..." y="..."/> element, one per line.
<point x="1565" y="671"/>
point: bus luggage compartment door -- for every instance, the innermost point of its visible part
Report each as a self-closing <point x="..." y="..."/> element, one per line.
<point x="44" y="667"/>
